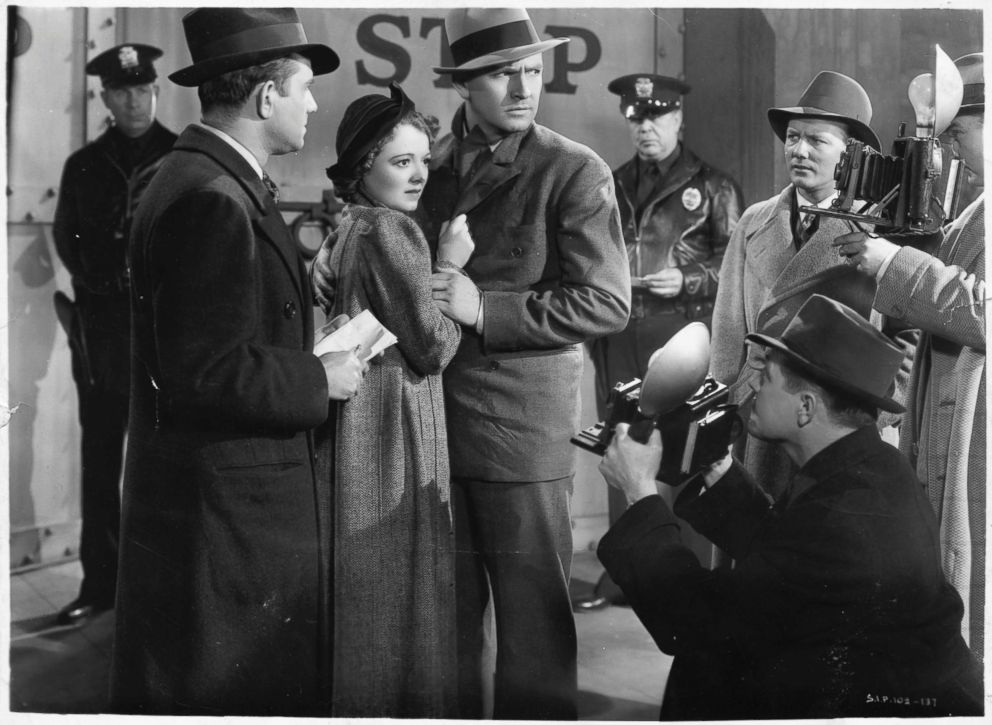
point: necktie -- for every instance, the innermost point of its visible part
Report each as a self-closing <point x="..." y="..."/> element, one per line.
<point x="270" y="186"/>
<point x="808" y="224"/>
<point x="474" y="151"/>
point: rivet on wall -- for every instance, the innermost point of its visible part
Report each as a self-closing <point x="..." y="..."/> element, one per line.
<point x="29" y="217"/>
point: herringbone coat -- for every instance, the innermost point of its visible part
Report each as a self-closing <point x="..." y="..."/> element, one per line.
<point x="943" y="430"/>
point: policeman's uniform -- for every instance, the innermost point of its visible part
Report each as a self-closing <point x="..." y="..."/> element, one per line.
<point x="675" y="212"/>
<point x="100" y="188"/>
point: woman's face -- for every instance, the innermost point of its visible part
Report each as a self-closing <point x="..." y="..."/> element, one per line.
<point x="399" y="172"/>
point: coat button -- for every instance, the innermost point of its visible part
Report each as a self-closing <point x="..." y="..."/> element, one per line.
<point x="289" y="310"/>
<point x="494" y="364"/>
<point x="516" y="252"/>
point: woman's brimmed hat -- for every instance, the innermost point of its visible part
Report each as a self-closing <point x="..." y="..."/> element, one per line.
<point x="221" y="40"/>
<point x="366" y="121"/>
<point x="838" y="348"/>
<point x="833" y="97"/>
<point x="485" y="37"/>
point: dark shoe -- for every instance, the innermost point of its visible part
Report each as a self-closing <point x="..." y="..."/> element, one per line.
<point x="590" y="603"/>
<point x="78" y="612"/>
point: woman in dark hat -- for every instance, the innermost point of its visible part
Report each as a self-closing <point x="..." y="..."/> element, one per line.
<point x="393" y="574"/>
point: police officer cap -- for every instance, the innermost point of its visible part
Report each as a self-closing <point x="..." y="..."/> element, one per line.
<point x="646" y="94"/>
<point x="129" y="64"/>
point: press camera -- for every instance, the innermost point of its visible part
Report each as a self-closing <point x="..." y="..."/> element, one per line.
<point x="914" y="190"/>
<point x="690" y="409"/>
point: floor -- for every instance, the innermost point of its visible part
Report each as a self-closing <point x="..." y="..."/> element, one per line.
<point x="64" y="669"/>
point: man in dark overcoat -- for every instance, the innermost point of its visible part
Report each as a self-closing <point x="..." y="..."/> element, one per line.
<point x="836" y="605"/>
<point x="549" y="273"/>
<point x="223" y="569"/>
<point x="677" y="213"/>
<point x="101" y="186"/>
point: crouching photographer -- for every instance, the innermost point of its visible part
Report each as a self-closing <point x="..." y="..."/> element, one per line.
<point x="837" y="605"/>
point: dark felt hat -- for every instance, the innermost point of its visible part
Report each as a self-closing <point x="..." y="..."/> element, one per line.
<point x="647" y="94"/>
<point x="485" y="37"/>
<point x="840" y="349"/>
<point x="834" y="97"/>
<point x="226" y="39"/>
<point x="972" y="70"/>
<point x="366" y="120"/>
<point x="129" y="64"/>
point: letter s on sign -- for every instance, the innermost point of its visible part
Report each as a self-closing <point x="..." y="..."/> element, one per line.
<point x="382" y="48"/>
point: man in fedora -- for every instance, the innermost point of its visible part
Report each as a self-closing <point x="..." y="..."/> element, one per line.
<point x="943" y="431"/>
<point x="836" y="605"/>
<point x="677" y="213"/>
<point x="223" y="568"/>
<point x="549" y="272"/>
<point x="101" y="186"/>
<point x="779" y="255"/>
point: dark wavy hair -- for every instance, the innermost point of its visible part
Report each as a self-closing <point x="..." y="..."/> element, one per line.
<point x="347" y="187"/>
<point x="232" y="89"/>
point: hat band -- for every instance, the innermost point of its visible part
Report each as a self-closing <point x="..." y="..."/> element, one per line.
<point x="491" y="40"/>
<point x="973" y="93"/>
<point x="253" y="39"/>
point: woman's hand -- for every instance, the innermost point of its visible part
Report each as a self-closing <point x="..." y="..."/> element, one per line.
<point x="455" y="244"/>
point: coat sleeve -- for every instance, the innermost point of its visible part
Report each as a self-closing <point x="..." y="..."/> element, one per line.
<point x="207" y="317"/>
<point x="592" y="296"/>
<point x="942" y="299"/>
<point x="729" y="322"/>
<point x="66" y="229"/>
<point x="726" y="203"/>
<point x="396" y="274"/>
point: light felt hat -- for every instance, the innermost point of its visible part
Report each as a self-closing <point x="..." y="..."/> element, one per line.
<point x="972" y="70"/>
<point x="484" y="37"/>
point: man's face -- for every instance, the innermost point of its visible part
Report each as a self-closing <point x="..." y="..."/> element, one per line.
<point x="965" y="136"/>
<point x="505" y="99"/>
<point x="655" y="138"/>
<point x="773" y="414"/>
<point x="812" y="150"/>
<point x="133" y="107"/>
<point x="290" y="111"/>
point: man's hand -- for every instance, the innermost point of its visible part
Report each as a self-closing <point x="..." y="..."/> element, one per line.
<point x="666" y="283"/>
<point x="344" y="372"/>
<point x="456" y="296"/>
<point x="865" y="252"/>
<point x="630" y="466"/>
<point x="455" y="243"/>
<point x="321" y="275"/>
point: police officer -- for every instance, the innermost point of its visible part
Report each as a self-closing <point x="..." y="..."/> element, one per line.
<point x="101" y="186"/>
<point x="677" y="214"/>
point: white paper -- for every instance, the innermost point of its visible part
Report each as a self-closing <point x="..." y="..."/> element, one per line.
<point x="361" y="330"/>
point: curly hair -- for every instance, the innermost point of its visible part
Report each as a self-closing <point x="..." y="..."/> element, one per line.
<point x="347" y="189"/>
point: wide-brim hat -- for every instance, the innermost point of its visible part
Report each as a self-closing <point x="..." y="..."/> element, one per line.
<point x="221" y="40"/>
<point x="366" y="120"/>
<point x="483" y="37"/>
<point x="972" y="70"/>
<point x="830" y="96"/>
<point x="840" y="349"/>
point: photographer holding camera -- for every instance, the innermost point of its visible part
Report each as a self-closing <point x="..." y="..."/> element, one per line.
<point x="943" y="431"/>
<point x="837" y="605"/>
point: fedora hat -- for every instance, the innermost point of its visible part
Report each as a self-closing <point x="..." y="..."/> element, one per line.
<point x="972" y="70"/>
<point x="834" y="97"/>
<point x="838" y="348"/>
<point x="484" y="37"/>
<point x="225" y="39"/>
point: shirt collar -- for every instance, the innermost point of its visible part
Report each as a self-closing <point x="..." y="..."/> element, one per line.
<point x="237" y="146"/>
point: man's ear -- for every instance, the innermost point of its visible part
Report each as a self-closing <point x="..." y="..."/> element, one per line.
<point x="264" y="95"/>
<point x="461" y="89"/>
<point x="807" y="404"/>
<point x="103" y="97"/>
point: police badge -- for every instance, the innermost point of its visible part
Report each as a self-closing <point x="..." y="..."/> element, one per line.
<point x="128" y="57"/>
<point x="691" y="198"/>
<point x="643" y="87"/>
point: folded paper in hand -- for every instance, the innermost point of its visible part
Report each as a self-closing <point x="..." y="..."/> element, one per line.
<point x="361" y="330"/>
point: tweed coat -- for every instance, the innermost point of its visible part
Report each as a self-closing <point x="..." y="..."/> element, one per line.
<point x="836" y="605"/>
<point x="763" y="282"/>
<point x="943" y="431"/>
<point x="550" y="262"/>
<point x="100" y="189"/>
<point x="219" y="608"/>
<point x="393" y="531"/>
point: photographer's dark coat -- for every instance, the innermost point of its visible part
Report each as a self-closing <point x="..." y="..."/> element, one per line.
<point x="837" y="605"/>
<point x="219" y="606"/>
